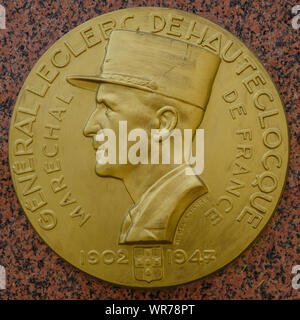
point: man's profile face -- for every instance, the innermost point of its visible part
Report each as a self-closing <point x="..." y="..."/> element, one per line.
<point x="116" y="103"/>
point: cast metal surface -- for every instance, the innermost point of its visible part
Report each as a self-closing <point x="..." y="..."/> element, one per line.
<point x="145" y="225"/>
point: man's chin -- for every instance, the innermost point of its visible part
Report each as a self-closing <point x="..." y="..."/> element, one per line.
<point x="106" y="170"/>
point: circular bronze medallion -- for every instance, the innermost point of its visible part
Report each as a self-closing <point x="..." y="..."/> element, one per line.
<point x="124" y="215"/>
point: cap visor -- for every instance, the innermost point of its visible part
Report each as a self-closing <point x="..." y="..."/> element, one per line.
<point x="85" y="82"/>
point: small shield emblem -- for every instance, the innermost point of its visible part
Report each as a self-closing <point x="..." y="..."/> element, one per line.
<point x="147" y="263"/>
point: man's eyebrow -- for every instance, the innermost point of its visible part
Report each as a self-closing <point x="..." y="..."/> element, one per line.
<point x="108" y="104"/>
<point x="99" y="98"/>
<point x="105" y="100"/>
<point x="102" y="100"/>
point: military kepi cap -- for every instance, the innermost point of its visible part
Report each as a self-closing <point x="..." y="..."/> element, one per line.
<point x="157" y="64"/>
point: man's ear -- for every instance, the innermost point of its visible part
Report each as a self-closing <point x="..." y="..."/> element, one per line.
<point x="167" y="117"/>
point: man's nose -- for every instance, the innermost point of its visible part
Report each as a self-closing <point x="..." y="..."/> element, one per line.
<point x="92" y="126"/>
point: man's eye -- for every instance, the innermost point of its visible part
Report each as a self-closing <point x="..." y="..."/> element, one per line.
<point x="107" y="108"/>
<point x="103" y="104"/>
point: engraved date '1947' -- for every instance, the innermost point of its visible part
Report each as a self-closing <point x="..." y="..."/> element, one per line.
<point x="121" y="256"/>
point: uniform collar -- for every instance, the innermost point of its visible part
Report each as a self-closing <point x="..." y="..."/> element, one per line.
<point x="155" y="216"/>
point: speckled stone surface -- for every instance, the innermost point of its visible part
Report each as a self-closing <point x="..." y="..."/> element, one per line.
<point x="261" y="272"/>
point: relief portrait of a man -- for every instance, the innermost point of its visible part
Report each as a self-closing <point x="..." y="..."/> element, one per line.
<point x="152" y="82"/>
